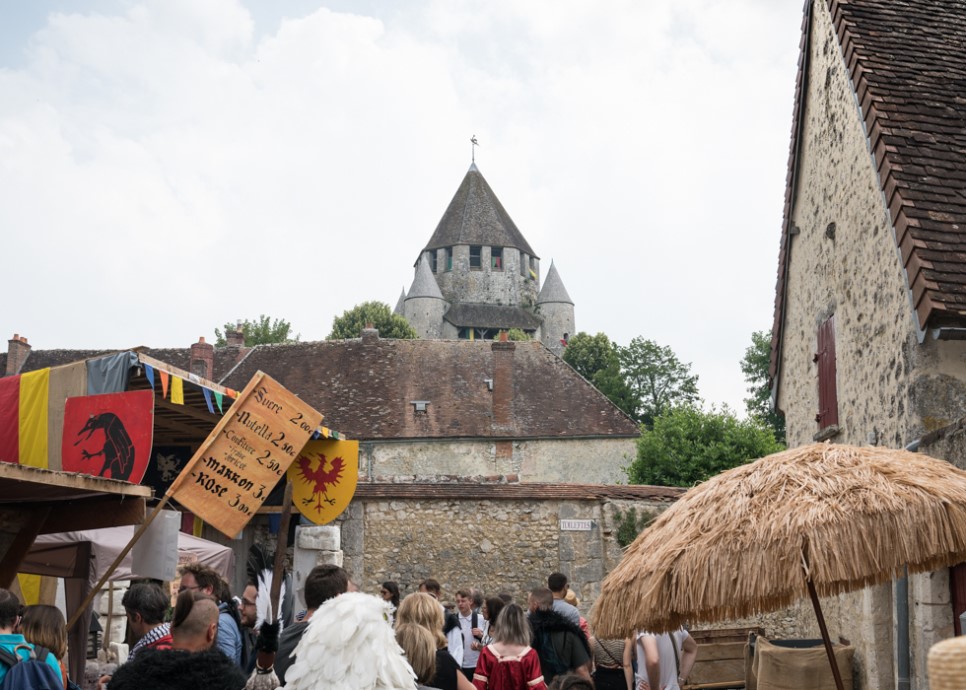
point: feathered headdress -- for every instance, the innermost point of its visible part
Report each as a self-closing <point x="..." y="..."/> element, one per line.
<point x="260" y="567"/>
<point x="349" y="645"/>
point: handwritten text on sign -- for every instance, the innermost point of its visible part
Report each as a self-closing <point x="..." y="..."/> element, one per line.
<point x="250" y="449"/>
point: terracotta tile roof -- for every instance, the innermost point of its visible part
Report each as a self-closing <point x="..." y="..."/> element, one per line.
<point x="907" y="63"/>
<point x="491" y="316"/>
<point x="515" y="492"/>
<point x="366" y="388"/>
<point x="476" y="216"/>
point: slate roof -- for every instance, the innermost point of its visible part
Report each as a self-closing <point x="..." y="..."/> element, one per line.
<point x="907" y="63"/>
<point x="553" y="289"/>
<point x="365" y="389"/>
<point x="476" y="216"/>
<point x="491" y="316"/>
<point x="424" y="284"/>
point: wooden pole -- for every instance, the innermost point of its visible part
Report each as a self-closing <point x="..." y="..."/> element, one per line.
<point x="825" y="638"/>
<point x="117" y="561"/>
<point x="280" y="548"/>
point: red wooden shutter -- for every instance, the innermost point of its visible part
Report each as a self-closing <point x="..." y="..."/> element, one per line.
<point x="828" y="406"/>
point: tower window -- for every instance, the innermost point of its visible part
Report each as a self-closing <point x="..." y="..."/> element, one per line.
<point x="432" y="261"/>
<point x="533" y="268"/>
<point x="449" y="258"/>
<point x="476" y="256"/>
<point x="496" y="258"/>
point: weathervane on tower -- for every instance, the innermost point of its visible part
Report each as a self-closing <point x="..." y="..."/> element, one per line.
<point x="473" y="149"/>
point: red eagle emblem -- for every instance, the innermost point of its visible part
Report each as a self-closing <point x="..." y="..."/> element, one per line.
<point x="320" y="478"/>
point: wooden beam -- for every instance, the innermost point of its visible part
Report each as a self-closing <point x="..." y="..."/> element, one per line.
<point x="33" y="522"/>
<point x="95" y="513"/>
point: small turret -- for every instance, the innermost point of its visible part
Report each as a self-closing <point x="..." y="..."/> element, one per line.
<point x="424" y="306"/>
<point x="557" y="310"/>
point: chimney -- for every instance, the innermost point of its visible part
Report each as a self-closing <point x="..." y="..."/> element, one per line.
<point x="202" y="360"/>
<point x="370" y="334"/>
<point x="235" y="338"/>
<point x="502" y="381"/>
<point x="17" y="351"/>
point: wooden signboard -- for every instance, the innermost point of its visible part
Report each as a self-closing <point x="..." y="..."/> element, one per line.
<point x="250" y="449"/>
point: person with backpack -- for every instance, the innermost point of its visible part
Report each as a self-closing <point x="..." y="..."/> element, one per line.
<point x="560" y="644"/>
<point x="22" y="665"/>
<point x="470" y="622"/>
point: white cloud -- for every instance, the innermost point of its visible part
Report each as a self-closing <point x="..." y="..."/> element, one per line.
<point x="175" y="165"/>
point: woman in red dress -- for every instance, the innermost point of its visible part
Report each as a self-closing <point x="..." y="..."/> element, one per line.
<point x="508" y="662"/>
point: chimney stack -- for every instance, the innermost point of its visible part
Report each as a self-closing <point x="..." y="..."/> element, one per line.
<point x="370" y="334"/>
<point x="502" y="381"/>
<point x="235" y="338"/>
<point x="17" y="351"/>
<point x="202" y="359"/>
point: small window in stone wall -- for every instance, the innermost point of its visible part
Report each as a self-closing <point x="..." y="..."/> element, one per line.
<point x="828" y="406"/>
<point x="449" y="258"/>
<point x="476" y="256"/>
<point x="496" y="258"/>
<point x="432" y="261"/>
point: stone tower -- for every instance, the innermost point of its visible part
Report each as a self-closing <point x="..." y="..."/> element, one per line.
<point x="424" y="306"/>
<point x="478" y="275"/>
<point x="556" y="309"/>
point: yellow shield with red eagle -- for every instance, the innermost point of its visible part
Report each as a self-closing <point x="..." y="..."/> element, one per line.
<point x="324" y="477"/>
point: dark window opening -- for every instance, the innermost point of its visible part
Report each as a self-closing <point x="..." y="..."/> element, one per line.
<point x="496" y="258"/>
<point x="449" y="258"/>
<point x="476" y="256"/>
<point x="432" y="261"/>
<point x="828" y="406"/>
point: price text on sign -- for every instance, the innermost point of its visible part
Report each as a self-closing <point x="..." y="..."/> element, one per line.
<point x="250" y="449"/>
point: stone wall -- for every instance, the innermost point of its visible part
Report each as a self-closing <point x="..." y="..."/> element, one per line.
<point x="587" y="461"/>
<point x="496" y="545"/>
<point x="890" y="387"/>
<point x="485" y="285"/>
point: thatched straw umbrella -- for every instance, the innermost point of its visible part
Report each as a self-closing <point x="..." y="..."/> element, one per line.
<point x="817" y="520"/>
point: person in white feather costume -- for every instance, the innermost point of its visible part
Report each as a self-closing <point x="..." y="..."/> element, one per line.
<point x="349" y="645"/>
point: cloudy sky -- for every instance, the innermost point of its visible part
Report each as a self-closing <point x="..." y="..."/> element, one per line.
<point x="167" y="166"/>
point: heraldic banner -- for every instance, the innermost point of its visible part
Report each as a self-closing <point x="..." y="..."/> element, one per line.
<point x="230" y="476"/>
<point x="109" y="435"/>
<point x="324" y="478"/>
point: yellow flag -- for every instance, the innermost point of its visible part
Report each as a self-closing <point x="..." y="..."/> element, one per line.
<point x="177" y="391"/>
<point x="324" y="478"/>
<point x="33" y="418"/>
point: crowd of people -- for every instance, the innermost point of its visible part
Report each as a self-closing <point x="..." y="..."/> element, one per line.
<point x="347" y="640"/>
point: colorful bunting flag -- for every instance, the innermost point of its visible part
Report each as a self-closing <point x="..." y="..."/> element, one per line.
<point x="218" y="399"/>
<point x="149" y="373"/>
<point x="164" y="384"/>
<point x="207" y="394"/>
<point x="177" y="390"/>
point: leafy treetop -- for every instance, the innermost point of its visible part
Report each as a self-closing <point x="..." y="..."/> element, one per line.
<point x="754" y="366"/>
<point x="379" y="314"/>
<point x="261" y="331"/>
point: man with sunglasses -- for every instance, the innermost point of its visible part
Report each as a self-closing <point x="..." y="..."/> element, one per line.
<point x="196" y="577"/>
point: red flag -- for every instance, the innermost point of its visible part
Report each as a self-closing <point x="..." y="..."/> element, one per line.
<point x="109" y="435"/>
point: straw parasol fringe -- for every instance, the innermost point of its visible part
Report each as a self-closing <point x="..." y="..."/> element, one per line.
<point x="734" y="546"/>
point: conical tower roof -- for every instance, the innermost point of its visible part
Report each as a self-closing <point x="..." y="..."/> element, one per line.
<point x="476" y="216"/>
<point x="424" y="284"/>
<point x="400" y="303"/>
<point x="553" y="289"/>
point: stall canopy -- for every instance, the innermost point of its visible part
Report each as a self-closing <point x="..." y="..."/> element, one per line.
<point x="82" y="557"/>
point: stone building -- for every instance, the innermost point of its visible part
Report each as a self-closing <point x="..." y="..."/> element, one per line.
<point x="481" y="463"/>
<point x="870" y="311"/>
<point x="478" y="275"/>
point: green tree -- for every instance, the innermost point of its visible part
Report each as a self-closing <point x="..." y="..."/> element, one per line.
<point x="754" y="366"/>
<point x="595" y="358"/>
<point x="379" y="314"/>
<point x="658" y="380"/>
<point x="261" y="331"/>
<point x="517" y="334"/>
<point x="688" y="445"/>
